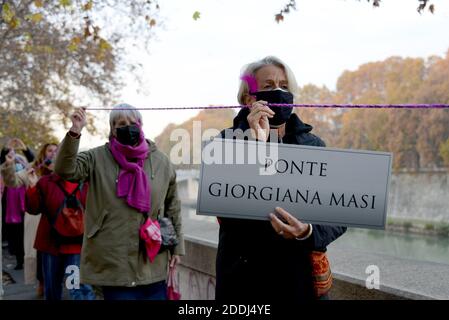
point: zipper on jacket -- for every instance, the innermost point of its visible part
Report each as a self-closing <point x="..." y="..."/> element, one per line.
<point x="151" y="168"/>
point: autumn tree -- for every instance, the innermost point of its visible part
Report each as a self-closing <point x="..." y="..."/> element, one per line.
<point x="55" y="55"/>
<point x="414" y="136"/>
<point x="418" y="138"/>
<point x="433" y="129"/>
<point x="217" y="119"/>
<point x="326" y="121"/>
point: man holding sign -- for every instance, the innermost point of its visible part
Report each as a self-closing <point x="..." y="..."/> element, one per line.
<point x="282" y="258"/>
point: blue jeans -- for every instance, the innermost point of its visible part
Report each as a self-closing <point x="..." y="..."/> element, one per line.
<point x="154" y="291"/>
<point x="54" y="272"/>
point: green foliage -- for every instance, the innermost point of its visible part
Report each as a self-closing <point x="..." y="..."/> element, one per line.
<point x="65" y="3"/>
<point x="407" y="225"/>
<point x="443" y="229"/>
<point x="196" y="15"/>
<point x="34" y="136"/>
<point x="444" y="152"/>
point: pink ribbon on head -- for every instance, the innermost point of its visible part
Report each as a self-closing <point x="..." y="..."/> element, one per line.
<point x="250" y="81"/>
<point x="150" y="232"/>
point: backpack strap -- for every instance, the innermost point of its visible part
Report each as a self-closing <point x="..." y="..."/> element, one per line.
<point x="64" y="203"/>
<point x="78" y="188"/>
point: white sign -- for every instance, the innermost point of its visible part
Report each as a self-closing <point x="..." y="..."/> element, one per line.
<point x="316" y="185"/>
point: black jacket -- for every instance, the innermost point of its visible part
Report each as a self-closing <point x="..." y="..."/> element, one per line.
<point x="253" y="261"/>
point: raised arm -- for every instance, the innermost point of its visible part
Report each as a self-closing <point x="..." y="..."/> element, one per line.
<point x="69" y="164"/>
<point x="8" y="172"/>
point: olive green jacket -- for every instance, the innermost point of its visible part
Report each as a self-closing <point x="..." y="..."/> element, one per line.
<point x="111" y="254"/>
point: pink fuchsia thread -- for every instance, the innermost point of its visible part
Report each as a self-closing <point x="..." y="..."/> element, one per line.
<point x="340" y="106"/>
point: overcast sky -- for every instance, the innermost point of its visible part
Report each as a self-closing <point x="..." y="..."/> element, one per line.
<point x="197" y="63"/>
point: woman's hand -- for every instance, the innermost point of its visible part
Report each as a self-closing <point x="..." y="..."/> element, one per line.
<point x="10" y="157"/>
<point x="292" y="228"/>
<point x="32" y="177"/>
<point x="17" y="144"/>
<point x="174" y="260"/>
<point x="78" y="120"/>
<point x="258" y="120"/>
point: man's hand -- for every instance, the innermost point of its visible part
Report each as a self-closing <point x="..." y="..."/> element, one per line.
<point x="292" y="228"/>
<point x="78" y="120"/>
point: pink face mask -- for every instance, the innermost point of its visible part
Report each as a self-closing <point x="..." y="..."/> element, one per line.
<point x="150" y="232"/>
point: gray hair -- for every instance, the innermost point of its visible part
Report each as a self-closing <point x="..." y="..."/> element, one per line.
<point x="252" y="68"/>
<point x="118" y="113"/>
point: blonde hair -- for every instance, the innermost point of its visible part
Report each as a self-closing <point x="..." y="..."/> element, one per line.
<point x="251" y="69"/>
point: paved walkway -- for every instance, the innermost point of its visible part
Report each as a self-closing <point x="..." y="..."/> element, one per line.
<point x="205" y="226"/>
<point x="13" y="281"/>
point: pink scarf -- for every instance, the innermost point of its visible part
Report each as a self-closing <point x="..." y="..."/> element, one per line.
<point x="15" y="204"/>
<point x="132" y="180"/>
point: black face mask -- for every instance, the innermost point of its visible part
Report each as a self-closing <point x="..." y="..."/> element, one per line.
<point x="281" y="114"/>
<point x="128" y="135"/>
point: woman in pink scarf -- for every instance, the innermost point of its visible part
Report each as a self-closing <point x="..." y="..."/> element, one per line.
<point x="131" y="185"/>
<point x="13" y="197"/>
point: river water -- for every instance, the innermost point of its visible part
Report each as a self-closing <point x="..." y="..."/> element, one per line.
<point x="410" y="246"/>
<point x="416" y="247"/>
